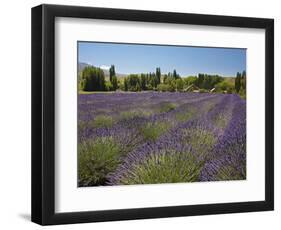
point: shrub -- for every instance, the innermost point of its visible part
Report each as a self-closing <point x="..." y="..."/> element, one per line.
<point x="163" y="87"/>
<point x="108" y="86"/>
<point x="151" y="131"/>
<point x="96" y="159"/>
<point x="134" y="113"/>
<point x="185" y="116"/>
<point x="165" y="167"/>
<point x="221" y="121"/>
<point x="92" y="79"/>
<point x="201" y="140"/>
<point x="226" y="85"/>
<point x="242" y="93"/>
<point x="228" y="172"/>
<point x="102" y="121"/>
<point x="166" y="107"/>
<point x="179" y="84"/>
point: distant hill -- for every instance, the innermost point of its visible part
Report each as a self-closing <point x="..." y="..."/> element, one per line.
<point x="82" y="65"/>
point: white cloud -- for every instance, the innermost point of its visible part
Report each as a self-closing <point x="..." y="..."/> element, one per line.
<point x="105" y="67"/>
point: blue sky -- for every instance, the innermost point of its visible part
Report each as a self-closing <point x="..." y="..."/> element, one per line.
<point x="134" y="58"/>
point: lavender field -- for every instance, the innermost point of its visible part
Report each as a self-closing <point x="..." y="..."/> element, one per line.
<point x="127" y="138"/>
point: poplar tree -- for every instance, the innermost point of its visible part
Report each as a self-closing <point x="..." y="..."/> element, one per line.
<point x="238" y="82"/>
<point x="111" y="72"/>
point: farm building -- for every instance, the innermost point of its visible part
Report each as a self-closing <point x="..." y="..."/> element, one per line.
<point x="191" y="88"/>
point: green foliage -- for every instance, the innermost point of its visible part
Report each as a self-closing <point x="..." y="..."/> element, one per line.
<point x="149" y="87"/>
<point x="111" y="73"/>
<point x="227" y="172"/>
<point x="114" y="82"/>
<point x="242" y="93"/>
<point x="92" y="79"/>
<point x="221" y="120"/>
<point x="152" y="79"/>
<point x="206" y="81"/>
<point x="170" y="82"/>
<point x="191" y="80"/>
<point x="238" y="82"/>
<point x="201" y="140"/>
<point x="225" y="86"/>
<point x="166" y="167"/>
<point x="82" y="125"/>
<point x="102" y="121"/>
<point x="151" y="131"/>
<point x="158" y="75"/>
<point x="165" y="88"/>
<point x="126" y="84"/>
<point x="167" y="106"/>
<point x="134" y="113"/>
<point x="135" y="82"/>
<point x="143" y="81"/>
<point x="108" y="86"/>
<point x="243" y="80"/>
<point x="179" y="84"/>
<point x="132" y="83"/>
<point x="121" y="86"/>
<point x="185" y="116"/>
<point x="96" y="159"/>
<point x="175" y="75"/>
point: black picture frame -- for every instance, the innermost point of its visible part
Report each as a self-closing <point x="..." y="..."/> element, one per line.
<point x="43" y="114"/>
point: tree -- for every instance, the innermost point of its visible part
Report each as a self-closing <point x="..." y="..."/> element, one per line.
<point x="164" y="87"/>
<point x="200" y="80"/>
<point x="125" y="84"/>
<point x="132" y="82"/>
<point x="108" y="86"/>
<point x="179" y="84"/>
<point x="111" y="72"/>
<point x="175" y="75"/>
<point x="243" y="80"/>
<point x="158" y="75"/>
<point x="154" y="80"/>
<point x="165" y="78"/>
<point x="138" y="87"/>
<point x="92" y="79"/>
<point x="143" y="82"/>
<point x="189" y="81"/>
<point x="114" y="82"/>
<point x="225" y="85"/>
<point x="238" y="82"/>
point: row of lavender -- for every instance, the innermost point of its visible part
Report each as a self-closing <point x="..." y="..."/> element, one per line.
<point x="144" y="138"/>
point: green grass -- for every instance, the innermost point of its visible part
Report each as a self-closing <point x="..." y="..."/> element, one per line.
<point x="166" y="167"/>
<point x="96" y="159"/>
<point x="102" y="121"/>
<point x="152" y="131"/>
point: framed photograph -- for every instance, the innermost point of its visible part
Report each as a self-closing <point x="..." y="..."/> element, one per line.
<point x="136" y="114"/>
